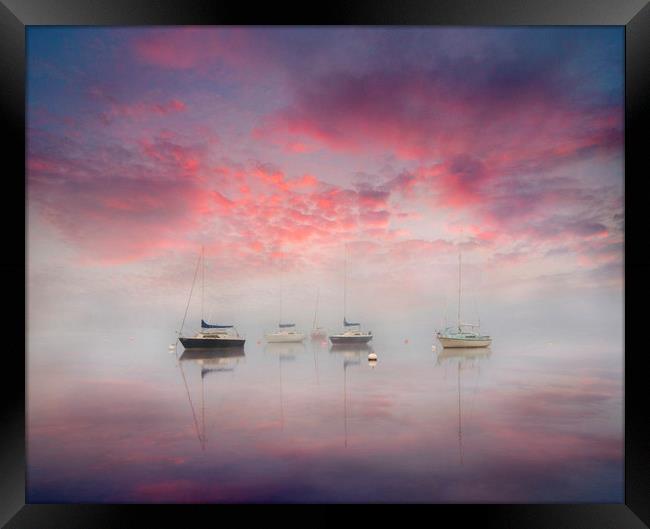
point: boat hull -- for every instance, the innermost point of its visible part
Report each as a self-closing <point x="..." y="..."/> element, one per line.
<point x="285" y="338"/>
<point x="211" y="343"/>
<point x="365" y="338"/>
<point x="463" y="342"/>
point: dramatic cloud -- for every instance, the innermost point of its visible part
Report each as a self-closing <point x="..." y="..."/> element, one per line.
<point x="503" y="142"/>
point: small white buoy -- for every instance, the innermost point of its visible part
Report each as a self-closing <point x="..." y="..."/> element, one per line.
<point x="172" y="345"/>
<point x="433" y="347"/>
<point x="372" y="356"/>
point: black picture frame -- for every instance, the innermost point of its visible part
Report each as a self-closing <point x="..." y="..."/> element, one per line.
<point x="15" y="15"/>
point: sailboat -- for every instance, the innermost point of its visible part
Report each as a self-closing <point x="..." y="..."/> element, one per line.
<point x="286" y="332"/>
<point x="317" y="331"/>
<point x="463" y="335"/>
<point x="210" y="335"/>
<point x="352" y="332"/>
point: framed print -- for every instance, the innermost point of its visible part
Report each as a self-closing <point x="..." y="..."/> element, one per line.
<point x="383" y="255"/>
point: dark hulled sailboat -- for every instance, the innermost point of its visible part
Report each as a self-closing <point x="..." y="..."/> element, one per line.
<point x="210" y="336"/>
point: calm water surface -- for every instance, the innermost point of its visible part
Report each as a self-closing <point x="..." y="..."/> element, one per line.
<point x="117" y="417"/>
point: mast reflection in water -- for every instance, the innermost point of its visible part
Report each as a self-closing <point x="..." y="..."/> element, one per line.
<point x="465" y="358"/>
<point x="210" y="361"/>
<point x="314" y="423"/>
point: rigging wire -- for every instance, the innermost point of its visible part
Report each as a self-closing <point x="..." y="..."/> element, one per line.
<point x="196" y="271"/>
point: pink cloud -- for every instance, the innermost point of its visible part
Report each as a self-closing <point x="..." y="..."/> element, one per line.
<point x="481" y="140"/>
<point x="138" y="110"/>
<point x="176" y="49"/>
<point x="111" y="108"/>
<point x="472" y="149"/>
<point x="196" y="49"/>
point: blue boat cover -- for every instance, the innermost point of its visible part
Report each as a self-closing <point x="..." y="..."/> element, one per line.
<point x="205" y="325"/>
<point x="346" y="323"/>
<point x="286" y="325"/>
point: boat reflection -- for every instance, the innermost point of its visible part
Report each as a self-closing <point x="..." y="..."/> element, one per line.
<point x="466" y="358"/>
<point x="286" y="352"/>
<point x="463" y="355"/>
<point x="317" y="345"/>
<point x="351" y="357"/>
<point x="222" y="359"/>
<point x="351" y="349"/>
<point x="210" y="361"/>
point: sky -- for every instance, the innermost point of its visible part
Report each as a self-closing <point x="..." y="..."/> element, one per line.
<point x="273" y="148"/>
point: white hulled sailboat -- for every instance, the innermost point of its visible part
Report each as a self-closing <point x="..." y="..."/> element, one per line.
<point x="351" y="332"/>
<point x="462" y="335"/>
<point x="286" y="332"/>
<point x="316" y="330"/>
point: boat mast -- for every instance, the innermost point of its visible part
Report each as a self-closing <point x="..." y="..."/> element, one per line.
<point x="202" y="281"/>
<point x="189" y="298"/>
<point x="281" y="277"/>
<point x="345" y="281"/>
<point x="316" y="311"/>
<point x="445" y="321"/>
<point x="459" y="284"/>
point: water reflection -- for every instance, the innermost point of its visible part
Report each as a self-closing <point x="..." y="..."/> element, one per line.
<point x="318" y="344"/>
<point x="222" y="359"/>
<point x="289" y="422"/>
<point x="465" y="359"/>
<point x="463" y="355"/>
<point x="285" y="352"/>
<point x="351" y="354"/>
<point x="210" y="361"/>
